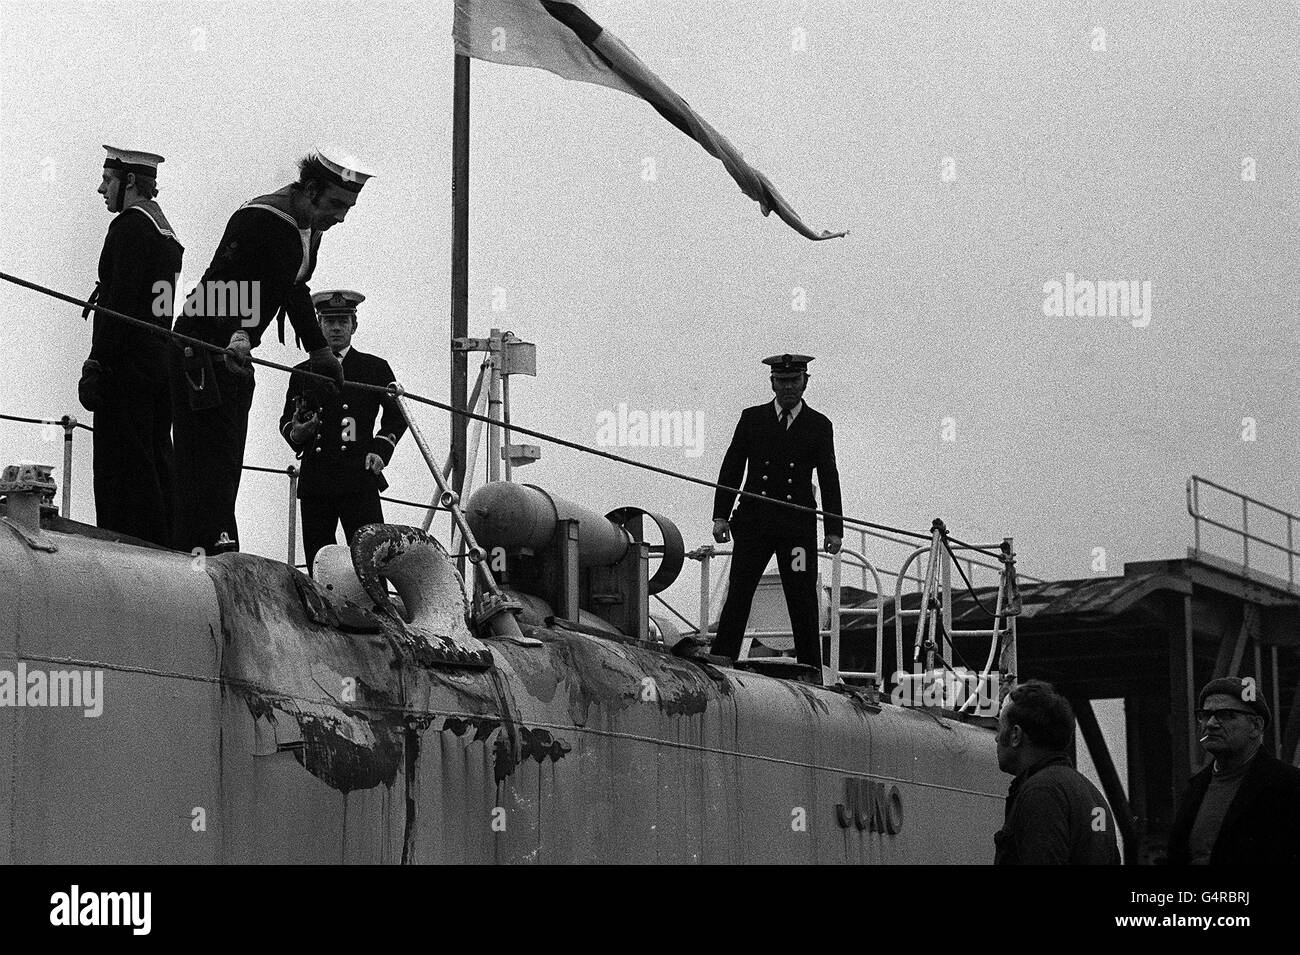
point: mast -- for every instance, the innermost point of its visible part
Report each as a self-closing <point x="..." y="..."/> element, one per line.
<point x="459" y="265"/>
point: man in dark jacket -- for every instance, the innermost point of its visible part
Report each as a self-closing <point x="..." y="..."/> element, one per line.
<point x="123" y="381"/>
<point x="780" y="443"/>
<point x="260" y="272"/>
<point x="1054" y="816"/>
<point x="342" y="457"/>
<point x="1244" y="808"/>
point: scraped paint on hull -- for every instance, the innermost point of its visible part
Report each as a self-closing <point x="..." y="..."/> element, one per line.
<point x="244" y="721"/>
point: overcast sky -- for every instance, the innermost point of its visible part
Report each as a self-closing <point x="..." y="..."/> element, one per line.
<point x="977" y="151"/>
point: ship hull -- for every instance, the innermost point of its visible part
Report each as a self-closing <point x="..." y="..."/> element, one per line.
<point x="239" y="726"/>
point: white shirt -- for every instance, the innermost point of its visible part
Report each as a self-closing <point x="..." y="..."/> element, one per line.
<point x="344" y="353"/>
<point x="306" y="253"/>
<point x="794" y="412"/>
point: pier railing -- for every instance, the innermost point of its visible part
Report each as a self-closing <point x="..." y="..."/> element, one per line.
<point x="1282" y="545"/>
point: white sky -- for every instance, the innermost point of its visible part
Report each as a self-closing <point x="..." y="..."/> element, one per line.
<point x="1072" y="433"/>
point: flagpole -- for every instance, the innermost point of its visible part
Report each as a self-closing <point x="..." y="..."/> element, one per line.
<point x="459" y="268"/>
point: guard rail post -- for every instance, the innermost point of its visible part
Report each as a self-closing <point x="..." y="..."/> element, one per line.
<point x="69" y="425"/>
<point x="293" y="516"/>
<point x="705" y="554"/>
<point x="835" y="620"/>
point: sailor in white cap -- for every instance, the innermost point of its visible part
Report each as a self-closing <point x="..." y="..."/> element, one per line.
<point x="124" y="382"/>
<point x="343" y="458"/>
<point x="780" y="443"/>
<point x="266" y="257"/>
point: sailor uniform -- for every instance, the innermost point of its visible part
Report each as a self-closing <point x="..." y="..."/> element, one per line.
<point x="124" y="382"/>
<point x="780" y="457"/>
<point x="267" y="257"/>
<point x="334" y="484"/>
<point x="263" y="254"/>
<point x="263" y="246"/>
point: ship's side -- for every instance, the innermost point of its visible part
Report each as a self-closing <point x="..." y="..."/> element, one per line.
<point x="244" y="721"/>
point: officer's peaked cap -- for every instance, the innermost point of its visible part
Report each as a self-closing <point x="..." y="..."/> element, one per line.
<point x="339" y="301"/>
<point x="788" y="364"/>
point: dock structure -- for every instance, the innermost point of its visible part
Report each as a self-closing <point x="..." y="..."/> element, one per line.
<point x="1152" y="637"/>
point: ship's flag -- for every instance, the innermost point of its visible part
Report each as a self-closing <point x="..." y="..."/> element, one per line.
<point x="557" y="35"/>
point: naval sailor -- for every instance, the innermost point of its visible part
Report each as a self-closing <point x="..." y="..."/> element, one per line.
<point x="778" y="444"/>
<point x="124" y="382"/>
<point x="343" y="458"/>
<point x="260" y="271"/>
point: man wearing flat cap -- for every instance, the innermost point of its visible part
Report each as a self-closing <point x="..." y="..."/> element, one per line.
<point x="260" y="272"/>
<point x="779" y="444"/>
<point x="1244" y="808"/>
<point x="124" y="382"/>
<point x="343" y="458"/>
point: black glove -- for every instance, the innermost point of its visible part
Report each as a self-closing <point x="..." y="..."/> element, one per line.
<point x="325" y="362"/>
<point x="90" y="390"/>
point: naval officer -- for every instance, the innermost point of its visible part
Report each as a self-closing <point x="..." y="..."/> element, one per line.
<point x="123" y="382"/>
<point x="343" y="458"/>
<point x="260" y="271"/>
<point x="779" y="443"/>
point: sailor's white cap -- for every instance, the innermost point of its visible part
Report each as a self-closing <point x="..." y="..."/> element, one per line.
<point x="132" y="160"/>
<point x="347" y="171"/>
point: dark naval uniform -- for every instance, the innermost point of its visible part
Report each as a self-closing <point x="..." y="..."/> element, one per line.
<point x="124" y="381"/>
<point x="780" y="463"/>
<point x="335" y="485"/>
<point x="262" y="264"/>
<point x="262" y="251"/>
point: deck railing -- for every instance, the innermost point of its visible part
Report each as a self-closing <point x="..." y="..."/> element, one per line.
<point x="1242" y="503"/>
<point x="870" y="573"/>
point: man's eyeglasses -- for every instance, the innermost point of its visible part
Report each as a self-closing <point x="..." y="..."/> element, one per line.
<point x="1222" y="715"/>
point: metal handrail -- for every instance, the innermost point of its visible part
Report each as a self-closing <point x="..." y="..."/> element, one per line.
<point x="900" y="611"/>
<point x="1194" y="510"/>
<point x="1268" y="507"/>
<point x="936" y="603"/>
<point x="970" y="561"/>
<point x="69" y="424"/>
<point x="450" y="502"/>
<point x="876" y="676"/>
<point x="705" y="555"/>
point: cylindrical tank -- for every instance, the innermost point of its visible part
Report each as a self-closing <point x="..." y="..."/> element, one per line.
<point x="504" y="514"/>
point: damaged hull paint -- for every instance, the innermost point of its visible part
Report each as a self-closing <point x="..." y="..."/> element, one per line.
<point x="306" y="738"/>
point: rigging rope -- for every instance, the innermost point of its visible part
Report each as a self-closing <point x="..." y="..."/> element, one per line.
<point x="965" y="579"/>
<point x="420" y="399"/>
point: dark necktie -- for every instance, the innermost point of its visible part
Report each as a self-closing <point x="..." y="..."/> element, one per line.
<point x="785" y="417"/>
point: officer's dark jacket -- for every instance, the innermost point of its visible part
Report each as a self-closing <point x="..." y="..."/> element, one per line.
<point x="1051" y="815"/>
<point x="1261" y="827"/>
<point x="140" y="251"/>
<point x="332" y="465"/>
<point x="262" y="247"/>
<point x="780" y="464"/>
